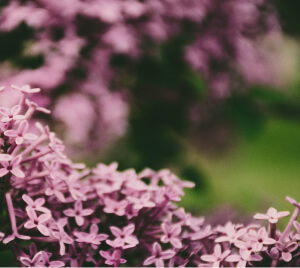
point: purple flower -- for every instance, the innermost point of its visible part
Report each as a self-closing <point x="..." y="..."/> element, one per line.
<point x="124" y="237"/>
<point x="78" y="213"/>
<point x="26" y="89"/>
<point x="171" y="233"/>
<point x="20" y="134"/>
<point x="37" y="222"/>
<point x="112" y="259"/>
<point x="12" y="167"/>
<point x="158" y="256"/>
<point x="243" y="258"/>
<point x="272" y="215"/>
<point x="286" y="249"/>
<point x="115" y="207"/>
<point x="217" y="257"/>
<point x="35" y="204"/>
<point x="91" y="238"/>
<point x="142" y="202"/>
<point x="231" y="234"/>
<point x="12" y="114"/>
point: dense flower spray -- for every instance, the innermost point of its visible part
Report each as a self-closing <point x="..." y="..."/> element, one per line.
<point x="77" y="43"/>
<point x="57" y="213"/>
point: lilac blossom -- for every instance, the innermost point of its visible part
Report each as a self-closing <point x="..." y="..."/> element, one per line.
<point x="20" y="135"/>
<point x="78" y="213"/>
<point x="272" y="215"/>
<point x="124" y="237"/>
<point x="217" y="257"/>
<point x="61" y="208"/>
<point x="12" y="167"/>
<point x="158" y="256"/>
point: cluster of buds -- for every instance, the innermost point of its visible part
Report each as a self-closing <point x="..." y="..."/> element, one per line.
<point x="57" y="213"/>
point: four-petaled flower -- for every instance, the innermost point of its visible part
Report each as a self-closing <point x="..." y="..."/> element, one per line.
<point x="37" y="221"/>
<point x="113" y="259"/>
<point x="9" y="115"/>
<point x="20" y="134"/>
<point x="92" y="237"/>
<point x="272" y="215"/>
<point x="115" y="207"/>
<point x="243" y="258"/>
<point x="286" y="249"/>
<point x="158" y="256"/>
<point x="35" y="204"/>
<point x="141" y="202"/>
<point x="171" y="233"/>
<point x="124" y="237"/>
<point x="12" y="167"/>
<point x="217" y="257"/>
<point x="78" y="212"/>
<point x="26" y="89"/>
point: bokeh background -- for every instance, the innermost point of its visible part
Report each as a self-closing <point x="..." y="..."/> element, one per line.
<point x="207" y="88"/>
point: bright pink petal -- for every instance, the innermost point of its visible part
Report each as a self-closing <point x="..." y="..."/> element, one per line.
<point x="87" y="212"/>
<point x="286" y="256"/>
<point x="78" y="206"/>
<point x="27" y="199"/>
<point x="3" y="172"/>
<point x="16" y="161"/>
<point x="208" y="258"/>
<point x="29" y="136"/>
<point x="69" y="212"/>
<point x="44" y="217"/>
<point x="159" y="263"/>
<point x="29" y="225"/>
<point x="149" y="261"/>
<point x="233" y="258"/>
<point x="10" y="133"/>
<point x="167" y="254"/>
<point x="18" y="172"/>
<point x="176" y="243"/>
<point x="79" y="220"/>
<point x="128" y="230"/>
<point x="5" y="157"/>
<point x="43" y="229"/>
<point x="116" y="231"/>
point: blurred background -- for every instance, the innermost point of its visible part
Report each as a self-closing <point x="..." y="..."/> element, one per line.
<point x="207" y="88"/>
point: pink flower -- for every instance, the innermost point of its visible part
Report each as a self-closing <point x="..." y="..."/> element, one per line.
<point x="141" y="202"/>
<point x="217" y="257"/>
<point x="92" y="237"/>
<point x="11" y="114"/>
<point x="26" y="89"/>
<point x="112" y="259"/>
<point x="78" y="213"/>
<point x="35" y="205"/>
<point x="171" y="233"/>
<point x="231" y="234"/>
<point x="286" y="249"/>
<point x="158" y="256"/>
<point x="124" y="237"/>
<point x="20" y="134"/>
<point x="243" y="258"/>
<point x="115" y="207"/>
<point x="37" y="222"/>
<point x="272" y="215"/>
<point x="12" y="167"/>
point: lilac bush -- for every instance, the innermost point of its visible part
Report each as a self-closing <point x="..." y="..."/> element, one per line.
<point x="57" y="213"/>
<point x="78" y="41"/>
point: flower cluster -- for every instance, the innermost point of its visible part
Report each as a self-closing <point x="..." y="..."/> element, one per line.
<point x="73" y="216"/>
<point x="78" y="41"/>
